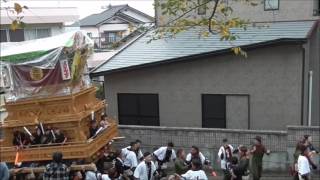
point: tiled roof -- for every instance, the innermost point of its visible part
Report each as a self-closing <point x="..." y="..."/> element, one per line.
<point x="95" y="19"/>
<point x="189" y="43"/>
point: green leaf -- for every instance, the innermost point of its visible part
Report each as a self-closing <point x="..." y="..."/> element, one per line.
<point x="14" y="25"/>
<point x="17" y="8"/>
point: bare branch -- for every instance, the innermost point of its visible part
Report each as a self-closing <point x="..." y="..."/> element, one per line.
<point x="183" y="14"/>
<point x="212" y="15"/>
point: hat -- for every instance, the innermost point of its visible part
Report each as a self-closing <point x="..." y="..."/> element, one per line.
<point x="258" y="138"/>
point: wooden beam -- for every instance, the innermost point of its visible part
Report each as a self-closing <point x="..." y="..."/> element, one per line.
<point x="27" y="170"/>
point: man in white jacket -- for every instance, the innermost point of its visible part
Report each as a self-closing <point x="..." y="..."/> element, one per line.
<point x="146" y="170"/>
<point x="130" y="161"/>
<point x="163" y="155"/>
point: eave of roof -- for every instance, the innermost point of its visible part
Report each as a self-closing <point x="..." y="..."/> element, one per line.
<point x="202" y="55"/>
<point x="190" y="44"/>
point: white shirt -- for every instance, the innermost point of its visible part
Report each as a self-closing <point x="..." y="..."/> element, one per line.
<point x="223" y="161"/>
<point x="140" y="155"/>
<point x="130" y="159"/>
<point x="141" y="172"/>
<point x="90" y="175"/>
<point x="303" y="165"/>
<point x="202" y="158"/>
<point x="195" y="175"/>
<point x="161" y="153"/>
<point x="105" y="177"/>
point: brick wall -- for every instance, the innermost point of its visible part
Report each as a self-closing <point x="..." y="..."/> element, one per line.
<point x="281" y="143"/>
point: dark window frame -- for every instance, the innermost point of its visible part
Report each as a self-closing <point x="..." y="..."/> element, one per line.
<point x="157" y="118"/>
<point x="11" y="34"/>
<point x="226" y="95"/>
<point x="270" y="9"/>
<point x="203" y="112"/>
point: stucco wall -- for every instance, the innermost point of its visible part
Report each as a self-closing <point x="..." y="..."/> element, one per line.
<point x="270" y="76"/>
<point x="289" y="10"/>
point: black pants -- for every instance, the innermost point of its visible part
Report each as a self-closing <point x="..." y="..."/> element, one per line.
<point x="226" y="175"/>
<point x="159" y="170"/>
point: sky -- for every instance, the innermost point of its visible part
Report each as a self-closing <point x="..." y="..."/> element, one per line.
<point x="87" y="7"/>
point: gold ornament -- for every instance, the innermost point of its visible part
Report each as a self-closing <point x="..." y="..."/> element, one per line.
<point x="36" y="74"/>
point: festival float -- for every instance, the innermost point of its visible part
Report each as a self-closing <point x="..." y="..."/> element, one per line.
<point x="46" y="83"/>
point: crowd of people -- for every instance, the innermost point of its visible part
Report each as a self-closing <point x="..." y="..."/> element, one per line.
<point x="52" y="136"/>
<point x="41" y="136"/>
<point x="131" y="163"/>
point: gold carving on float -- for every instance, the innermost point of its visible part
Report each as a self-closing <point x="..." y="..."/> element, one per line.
<point x="36" y="74"/>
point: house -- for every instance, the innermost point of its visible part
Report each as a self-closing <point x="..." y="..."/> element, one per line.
<point x="112" y="25"/>
<point x="263" y="11"/>
<point x="189" y="81"/>
<point x="40" y="22"/>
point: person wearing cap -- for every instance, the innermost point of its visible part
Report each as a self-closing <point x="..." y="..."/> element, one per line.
<point x="225" y="155"/>
<point x="195" y="173"/>
<point x="56" y="170"/>
<point x="146" y="170"/>
<point x="258" y="150"/>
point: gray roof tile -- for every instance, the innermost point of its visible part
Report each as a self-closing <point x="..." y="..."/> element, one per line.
<point x="95" y="19"/>
<point x="190" y="43"/>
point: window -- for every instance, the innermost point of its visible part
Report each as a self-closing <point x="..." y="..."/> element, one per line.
<point x="316" y="9"/>
<point x="270" y="5"/>
<point x="37" y="33"/>
<point x="213" y="111"/>
<point x="112" y="37"/>
<point x="43" y="33"/>
<point x="17" y="35"/>
<point x="202" y="9"/>
<point x="3" y="35"/>
<point x="138" y="109"/>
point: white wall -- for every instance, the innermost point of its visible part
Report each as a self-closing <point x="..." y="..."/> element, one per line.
<point x="136" y="16"/>
<point x="114" y="27"/>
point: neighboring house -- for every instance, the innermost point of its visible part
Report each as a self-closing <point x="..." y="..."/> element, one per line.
<point x="40" y="22"/>
<point x="264" y="11"/>
<point x="199" y="82"/>
<point x="113" y="24"/>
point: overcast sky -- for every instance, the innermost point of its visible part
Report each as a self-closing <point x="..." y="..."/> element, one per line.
<point x="87" y="7"/>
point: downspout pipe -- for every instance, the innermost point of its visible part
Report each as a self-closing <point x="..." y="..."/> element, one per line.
<point x="310" y="98"/>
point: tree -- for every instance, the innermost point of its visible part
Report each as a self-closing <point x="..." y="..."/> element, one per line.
<point x="219" y="22"/>
<point x="14" y="13"/>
